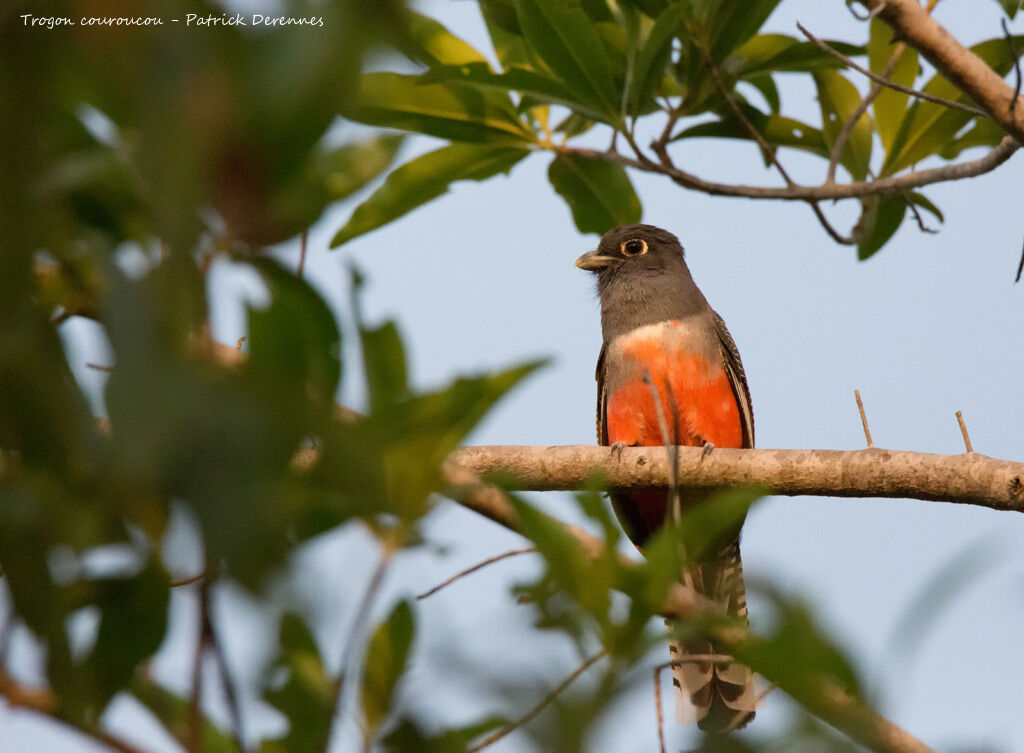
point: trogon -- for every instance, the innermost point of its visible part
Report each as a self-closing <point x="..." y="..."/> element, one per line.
<point x="662" y="341"/>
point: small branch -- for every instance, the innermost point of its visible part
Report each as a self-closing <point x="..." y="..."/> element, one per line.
<point x="188" y="580"/>
<point x="883" y="80"/>
<point x="917" y="216"/>
<point x="963" y="431"/>
<point x="493" y="738"/>
<point x="879" y="186"/>
<point x="98" y="367"/>
<point x="862" y="107"/>
<point x="348" y="650"/>
<point x="302" y="254"/>
<point x="230" y="696"/>
<point x="1016" y="67"/>
<point x="196" y="719"/>
<point x="1020" y="266"/>
<point x="863" y="418"/>
<point x="478" y="566"/>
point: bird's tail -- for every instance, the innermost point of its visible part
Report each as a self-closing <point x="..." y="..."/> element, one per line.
<point x="718" y="696"/>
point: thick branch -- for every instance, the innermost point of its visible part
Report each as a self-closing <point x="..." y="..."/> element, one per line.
<point x="968" y="479"/>
<point x="912" y="24"/>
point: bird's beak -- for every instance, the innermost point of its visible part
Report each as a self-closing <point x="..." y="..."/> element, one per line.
<point x="592" y="261"/>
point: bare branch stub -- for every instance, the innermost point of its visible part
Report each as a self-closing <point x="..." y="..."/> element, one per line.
<point x="863" y="418"/>
<point x="1020" y="267"/>
<point x="963" y="431"/>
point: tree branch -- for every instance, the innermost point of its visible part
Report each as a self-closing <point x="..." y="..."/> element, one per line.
<point x="891" y="185"/>
<point x="912" y="24"/>
<point x="966" y="479"/>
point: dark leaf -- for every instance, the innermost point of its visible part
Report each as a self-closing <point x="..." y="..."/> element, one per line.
<point x="386" y="658"/>
<point x="598" y="192"/>
<point x="649" y="67"/>
<point x="882" y="218"/>
<point x="423" y="179"/>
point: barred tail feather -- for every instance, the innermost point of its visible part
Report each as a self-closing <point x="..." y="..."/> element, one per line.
<point x="718" y="696"/>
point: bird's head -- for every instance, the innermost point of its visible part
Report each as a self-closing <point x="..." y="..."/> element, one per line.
<point x="630" y="250"/>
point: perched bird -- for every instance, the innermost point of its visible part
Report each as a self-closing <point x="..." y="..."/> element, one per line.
<point x="661" y="338"/>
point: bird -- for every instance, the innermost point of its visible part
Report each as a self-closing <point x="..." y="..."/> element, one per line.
<point x="663" y="343"/>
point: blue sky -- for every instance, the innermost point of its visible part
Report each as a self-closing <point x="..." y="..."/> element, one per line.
<point x="484" y="278"/>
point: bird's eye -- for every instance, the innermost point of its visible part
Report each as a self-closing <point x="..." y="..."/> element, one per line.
<point x="634" y="247"/>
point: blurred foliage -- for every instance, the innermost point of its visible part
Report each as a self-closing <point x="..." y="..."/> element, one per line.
<point x="174" y="146"/>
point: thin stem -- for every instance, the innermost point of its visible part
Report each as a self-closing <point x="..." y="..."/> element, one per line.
<point x="528" y="716"/>
<point x="474" y="568"/>
<point x="963" y="431"/>
<point x="863" y="418"/>
<point x="230" y="696"/>
<point x="882" y="81"/>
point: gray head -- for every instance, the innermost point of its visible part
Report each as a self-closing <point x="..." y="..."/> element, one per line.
<point x="642" y="278"/>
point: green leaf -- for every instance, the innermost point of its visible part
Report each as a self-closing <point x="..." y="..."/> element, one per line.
<point x="384" y="360"/>
<point x="882" y="217"/>
<point x="392" y="100"/>
<point x="133" y="620"/>
<point x="294" y="347"/>
<point x="306" y="697"/>
<point x="779" y="53"/>
<point x="347" y="168"/>
<point x="538" y="86"/>
<point x="598" y="192"/>
<point x="798" y="655"/>
<point x="838" y="98"/>
<point x="566" y="41"/>
<point x="777" y="130"/>
<point x="423" y="179"/>
<point x="386" y="658"/>
<point x="733" y="22"/>
<point x="711" y="524"/>
<point x="1010" y="7"/>
<point x="649" y="67"/>
<point x="927" y="126"/>
<point x="984" y="132"/>
<point x="429" y="41"/>
<point x="925" y="203"/>
<point x="890" y="106"/>
<point x="175" y="714"/>
<point x="766" y="86"/>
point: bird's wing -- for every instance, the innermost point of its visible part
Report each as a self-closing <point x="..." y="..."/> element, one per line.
<point x="602" y="400"/>
<point x="738" y="379"/>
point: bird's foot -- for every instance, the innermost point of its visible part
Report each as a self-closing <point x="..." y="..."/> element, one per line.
<point x="617" y="449"/>
<point x="706" y="450"/>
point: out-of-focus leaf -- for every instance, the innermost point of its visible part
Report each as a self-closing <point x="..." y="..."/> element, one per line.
<point x="175" y="714"/>
<point x="798" y="655"/>
<point x="599" y="193"/>
<point x="133" y="619"/>
<point x="984" y="132"/>
<point x="650" y="61"/>
<point x="1010" y="7"/>
<point x="386" y="658"/>
<point x="409" y="737"/>
<point x="707" y="526"/>
<point x="423" y="179"/>
<point x="507" y="36"/>
<point x="384" y="361"/>
<point x="432" y="43"/>
<point x="294" y="352"/>
<point x="882" y="218"/>
<point x="306" y="696"/>
<point x="838" y="99"/>
<point x="779" y="53"/>
<point x="346" y="169"/>
<point x="890" y="105"/>
<point x="538" y="86"/>
<point x="393" y="100"/>
<point x="568" y="44"/>
<point x="928" y="127"/>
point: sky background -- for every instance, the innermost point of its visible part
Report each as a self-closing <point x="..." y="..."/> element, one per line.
<point x="484" y="278"/>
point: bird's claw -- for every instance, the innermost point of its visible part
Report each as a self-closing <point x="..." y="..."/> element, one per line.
<point x="617" y="449"/>
<point x="706" y="450"/>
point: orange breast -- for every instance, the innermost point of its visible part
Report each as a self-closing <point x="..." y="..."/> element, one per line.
<point x="705" y="405"/>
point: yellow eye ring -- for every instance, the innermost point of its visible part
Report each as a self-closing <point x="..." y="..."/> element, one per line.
<point x="634" y="247"/>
